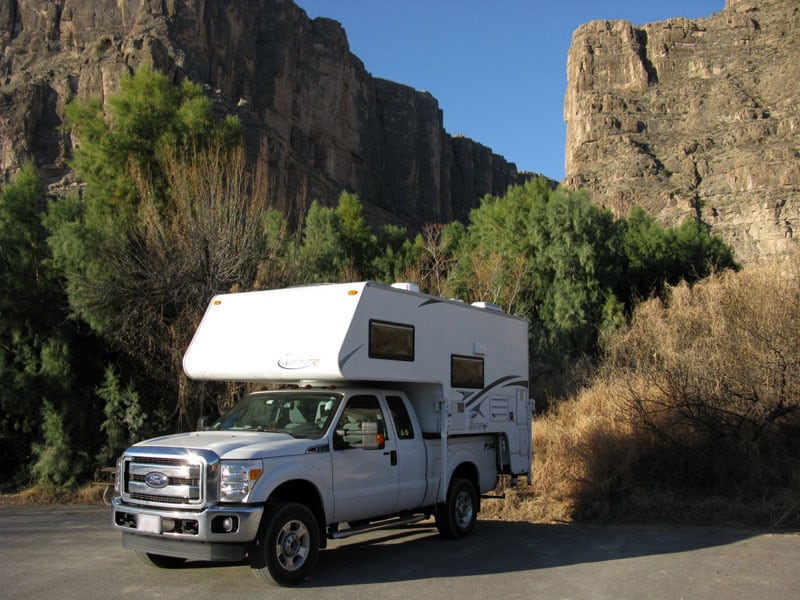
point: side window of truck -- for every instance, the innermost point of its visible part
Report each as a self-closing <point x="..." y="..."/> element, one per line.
<point x="402" y="422"/>
<point x="361" y="425"/>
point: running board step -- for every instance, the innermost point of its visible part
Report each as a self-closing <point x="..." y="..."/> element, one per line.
<point x="346" y="533"/>
<point x="493" y="496"/>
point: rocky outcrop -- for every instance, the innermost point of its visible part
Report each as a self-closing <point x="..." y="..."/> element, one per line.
<point x="316" y="121"/>
<point x="693" y="118"/>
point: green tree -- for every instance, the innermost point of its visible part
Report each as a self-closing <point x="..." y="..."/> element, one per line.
<point x="658" y="256"/>
<point x="547" y="254"/>
<point x="150" y="123"/>
<point x="280" y="261"/>
<point x="124" y="416"/>
<point x="59" y="461"/>
<point x="46" y="362"/>
<point x="360" y="244"/>
<point x="575" y="261"/>
<point x="336" y="244"/>
<point x="147" y="117"/>
<point x="494" y="254"/>
<point x="171" y="215"/>
<point x="322" y="253"/>
<point x="397" y="260"/>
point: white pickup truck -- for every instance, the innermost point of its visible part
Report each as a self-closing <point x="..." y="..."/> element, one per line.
<point x="395" y="406"/>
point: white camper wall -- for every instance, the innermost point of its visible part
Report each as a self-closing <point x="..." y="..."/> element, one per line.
<point x="441" y="328"/>
<point x="274" y="335"/>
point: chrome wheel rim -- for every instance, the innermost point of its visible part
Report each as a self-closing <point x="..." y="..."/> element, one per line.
<point x="293" y="545"/>
<point x="463" y="510"/>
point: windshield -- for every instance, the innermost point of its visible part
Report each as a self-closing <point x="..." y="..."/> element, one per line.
<point x="299" y="414"/>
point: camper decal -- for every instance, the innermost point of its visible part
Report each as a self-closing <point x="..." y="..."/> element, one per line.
<point x="347" y="356"/>
<point x="292" y="362"/>
<point x="475" y="401"/>
<point x="431" y="301"/>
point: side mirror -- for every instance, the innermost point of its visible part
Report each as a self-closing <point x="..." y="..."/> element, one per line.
<point x="369" y="438"/>
<point x="372" y="439"/>
<point x="202" y="423"/>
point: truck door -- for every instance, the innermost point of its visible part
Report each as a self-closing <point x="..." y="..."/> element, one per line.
<point x="365" y="474"/>
<point x="411" y="455"/>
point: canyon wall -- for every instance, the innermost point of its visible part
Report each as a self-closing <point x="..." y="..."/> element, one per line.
<point x="696" y="118"/>
<point x="316" y="121"/>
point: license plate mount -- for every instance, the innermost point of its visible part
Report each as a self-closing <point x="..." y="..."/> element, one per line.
<point x="148" y="523"/>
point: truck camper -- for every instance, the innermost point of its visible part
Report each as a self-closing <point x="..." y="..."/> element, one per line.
<point x="381" y="406"/>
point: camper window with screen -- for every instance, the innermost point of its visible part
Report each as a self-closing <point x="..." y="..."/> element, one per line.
<point x="466" y="372"/>
<point x="392" y="341"/>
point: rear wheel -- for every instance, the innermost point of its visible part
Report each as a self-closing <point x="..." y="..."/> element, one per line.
<point x="456" y="518"/>
<point x="288" y="546"/>
<point x="159" y="560"/>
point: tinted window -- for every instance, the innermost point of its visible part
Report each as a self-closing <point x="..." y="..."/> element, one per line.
<point x="402" y="422"/>
<point x="362" y="416"/>
<point x="466" y="372"/>
<point x="392" y="341"/>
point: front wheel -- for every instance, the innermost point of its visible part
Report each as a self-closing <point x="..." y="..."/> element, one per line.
<point x="287" y="548"/>
<point x="456" y="518"/>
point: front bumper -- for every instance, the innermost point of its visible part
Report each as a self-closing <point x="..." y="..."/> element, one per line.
<point x="215" y="533"/>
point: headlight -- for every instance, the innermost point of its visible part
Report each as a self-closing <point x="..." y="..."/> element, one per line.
<point x="237" y="479"/>
<point x="118" y="476"/>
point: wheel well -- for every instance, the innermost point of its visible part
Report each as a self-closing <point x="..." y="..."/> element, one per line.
<point x="305" y="493"/>
<point x="468" y="471"/>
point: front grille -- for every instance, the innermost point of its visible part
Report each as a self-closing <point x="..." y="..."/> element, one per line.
<point x="161" y="499"/>
<point x="168" y="480"/>
<point x="157" y="460"/>
<point x="172" y="480"/>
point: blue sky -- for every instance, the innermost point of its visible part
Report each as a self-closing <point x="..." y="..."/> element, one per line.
<point x="497" y="68"/>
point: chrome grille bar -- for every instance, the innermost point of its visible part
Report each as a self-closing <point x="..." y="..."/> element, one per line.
<point x="169" y="476"/>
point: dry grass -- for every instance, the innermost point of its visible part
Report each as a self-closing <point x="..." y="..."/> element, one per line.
<point x="693" y="418"/>
<point x="45" y="495"/>
<point x="576" y="448"/>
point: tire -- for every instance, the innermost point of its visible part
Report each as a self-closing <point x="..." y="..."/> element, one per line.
<point x="159" y="561"/>
<point x="455" y="519"/>
<point x="287" y="548"/>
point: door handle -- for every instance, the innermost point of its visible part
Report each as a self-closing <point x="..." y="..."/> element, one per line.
<point x="393" y="457"/>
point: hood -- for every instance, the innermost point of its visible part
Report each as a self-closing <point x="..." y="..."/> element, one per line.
<point x="235" y="444"/>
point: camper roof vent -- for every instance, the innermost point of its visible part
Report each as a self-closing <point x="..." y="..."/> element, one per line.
<point x="409" y="287"/>
<point x="488" y="306"/>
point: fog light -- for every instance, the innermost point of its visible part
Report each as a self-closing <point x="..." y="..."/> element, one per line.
<point x="168" y="524"/>
<point x="225" y="524"/>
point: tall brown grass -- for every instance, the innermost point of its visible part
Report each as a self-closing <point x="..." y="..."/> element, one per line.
<point x="694" y="415"/>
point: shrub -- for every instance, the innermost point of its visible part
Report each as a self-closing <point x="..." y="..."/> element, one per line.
<point x="711" y="375"/>
<point x="694" y="417"/>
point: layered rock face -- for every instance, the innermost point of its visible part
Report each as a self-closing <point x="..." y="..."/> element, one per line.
<point x="316" y="121"/>
<point x="693" y="117"/>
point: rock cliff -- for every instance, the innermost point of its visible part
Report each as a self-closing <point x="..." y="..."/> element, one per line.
<point x="693" y="117"/>
<point x="318" y="121"/>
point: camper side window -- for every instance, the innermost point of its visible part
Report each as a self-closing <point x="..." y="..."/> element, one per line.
<point x="391" y="341"/>
<point x="466" y="372"/>
<point x="361" y="425"/>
